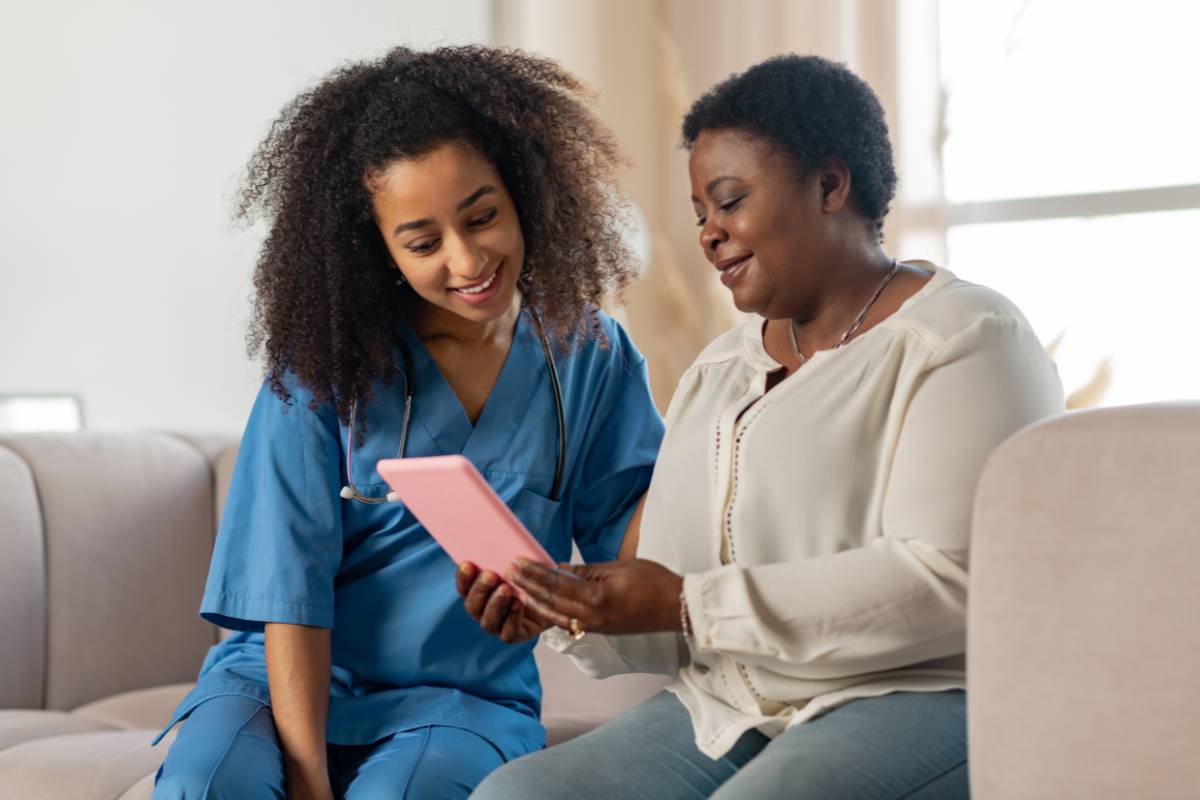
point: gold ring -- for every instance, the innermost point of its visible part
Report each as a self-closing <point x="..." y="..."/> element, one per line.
<point x="577" y="632"/>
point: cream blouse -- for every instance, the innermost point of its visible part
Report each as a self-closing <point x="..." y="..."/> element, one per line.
<point x="824" y="533"/>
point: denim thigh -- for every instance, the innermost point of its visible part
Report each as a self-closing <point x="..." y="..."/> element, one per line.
<point x="904" y="745"/>
<point x="910" y="745"/>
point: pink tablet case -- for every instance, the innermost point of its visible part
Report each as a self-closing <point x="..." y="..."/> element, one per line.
<point x="461" y="511"/>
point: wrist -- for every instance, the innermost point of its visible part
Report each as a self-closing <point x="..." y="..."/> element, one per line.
<point x="676" y="607"/>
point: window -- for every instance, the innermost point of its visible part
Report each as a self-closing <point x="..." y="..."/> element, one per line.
<point x="27" y="413"/>
<point x="1071" y="167"/>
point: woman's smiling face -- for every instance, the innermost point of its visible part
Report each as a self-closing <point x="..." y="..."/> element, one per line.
<point x="762" y="224"/>
<point x="452" y="230"/>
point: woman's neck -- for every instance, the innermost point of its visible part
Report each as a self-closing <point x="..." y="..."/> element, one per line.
<point x="849" y="283"/>
<point x="434" y="322"/>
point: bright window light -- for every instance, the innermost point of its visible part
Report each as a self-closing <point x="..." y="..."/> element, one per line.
<point x="36" y="413"/>
<point x="1072" y="175"/>
<point x="1120" y="287"/>
<point x="1049" y="97"/>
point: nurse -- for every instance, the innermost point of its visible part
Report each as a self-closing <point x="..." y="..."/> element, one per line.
<point x="442" y="229"/>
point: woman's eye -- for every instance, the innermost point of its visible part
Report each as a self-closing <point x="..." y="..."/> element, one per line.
<point x="700" y="222"/>
<point x="422" y="247"/>
<point x="484" y="218"/>
<point x="730" y="205"/>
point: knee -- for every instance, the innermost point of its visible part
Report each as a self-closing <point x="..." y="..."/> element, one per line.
<point x="197" y="782"/>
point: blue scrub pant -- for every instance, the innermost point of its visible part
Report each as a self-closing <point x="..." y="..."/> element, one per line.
<point x="227" y="748"/>
<point x="904" y="745"/>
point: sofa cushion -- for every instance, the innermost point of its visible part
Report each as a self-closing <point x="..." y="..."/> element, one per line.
<point x="143" y="708"/>
<point x="19" y="725"/>
<point x="81" y="765"/>
<point x="142" y="790"/>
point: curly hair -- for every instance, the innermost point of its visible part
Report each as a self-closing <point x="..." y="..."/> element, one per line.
<point x="814" y="109"/>
<point x="326" y="298"/>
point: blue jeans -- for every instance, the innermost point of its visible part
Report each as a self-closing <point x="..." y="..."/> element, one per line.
<point x="903" y="745"/>
<point x="228" y="748"/>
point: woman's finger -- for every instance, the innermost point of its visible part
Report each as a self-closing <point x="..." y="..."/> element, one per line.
<point x="557" y="594"/>
<point x="548" y="614"/>
<point x="551" y="583"/>
<point x="464" y="577"/>
<point x="480" y="593"/>
<point x="514" y="624"/>
<point x="496" y="610"/>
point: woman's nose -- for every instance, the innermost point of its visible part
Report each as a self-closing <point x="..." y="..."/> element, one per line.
<point x="711" y="235"/>
<point x="465" y="258"/>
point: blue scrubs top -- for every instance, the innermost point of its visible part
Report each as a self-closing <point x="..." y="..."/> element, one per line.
<point x="405" y="652"/>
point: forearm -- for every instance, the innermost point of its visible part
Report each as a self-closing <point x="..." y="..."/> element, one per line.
<point x="298" y="667"/>
<point x="870" y="609"/>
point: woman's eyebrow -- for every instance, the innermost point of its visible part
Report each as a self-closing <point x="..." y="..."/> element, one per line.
<point x="475" y="195"/>
<point x="466" y="202"/>
<point x="715" y="182"/>
<point x="408" y="226"/>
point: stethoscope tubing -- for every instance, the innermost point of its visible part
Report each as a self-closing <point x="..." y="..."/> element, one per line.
<point x="350" y="490"/>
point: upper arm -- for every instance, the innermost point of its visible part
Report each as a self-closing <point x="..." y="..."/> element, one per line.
<point x="279" y="544"/>
<point x="983" y="386"/>
<point x="621" y="444"/>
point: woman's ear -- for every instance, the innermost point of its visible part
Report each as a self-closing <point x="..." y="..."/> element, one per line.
<point x="835" y="185"/>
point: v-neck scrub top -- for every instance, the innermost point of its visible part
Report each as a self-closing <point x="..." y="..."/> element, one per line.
<point x="823" y="527"/>
<point x="405" y="652"/>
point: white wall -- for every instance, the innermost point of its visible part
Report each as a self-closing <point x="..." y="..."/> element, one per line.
<point x="125" y="126"/>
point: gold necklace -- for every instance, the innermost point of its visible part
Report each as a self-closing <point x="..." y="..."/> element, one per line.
<point x="854" y="326"/>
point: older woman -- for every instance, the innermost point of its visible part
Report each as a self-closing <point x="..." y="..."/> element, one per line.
<point x="803" y="552"/>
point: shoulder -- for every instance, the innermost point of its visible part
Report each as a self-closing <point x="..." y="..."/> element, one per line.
<point x="284" y="401"/>
<point x="730" y="345"/>
<point x="954" y="310"/>
<point x="608" y="346"/>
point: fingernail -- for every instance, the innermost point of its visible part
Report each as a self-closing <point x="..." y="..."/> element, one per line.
<point x="511" y="575"/>
<point x="464" y="567"/>
<point x="522" y="563"/>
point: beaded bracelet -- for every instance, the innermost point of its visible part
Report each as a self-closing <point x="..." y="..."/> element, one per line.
<point x="685" y="622"/>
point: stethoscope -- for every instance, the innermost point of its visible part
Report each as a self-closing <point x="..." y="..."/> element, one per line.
<point x="351" y="492"/>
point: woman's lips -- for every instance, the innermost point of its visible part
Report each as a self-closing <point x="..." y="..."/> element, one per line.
<point x="732" y="269"/>
<point x="481" y="292"/>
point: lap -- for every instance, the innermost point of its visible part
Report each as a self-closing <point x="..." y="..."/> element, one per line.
<point x="904" y="745"/>
<point x="228" y="748"/>
<point x="432" y="762"/>
<point x="648" y="752"/>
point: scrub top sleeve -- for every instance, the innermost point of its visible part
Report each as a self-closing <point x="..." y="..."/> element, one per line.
<point x="279" y="544"/>
<point x="623" y="437"/>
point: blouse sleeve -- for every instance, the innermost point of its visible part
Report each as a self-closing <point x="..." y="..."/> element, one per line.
<point x="279" y="544"/>
<point x="621" y="443"/>
<point x="901" y="600"/>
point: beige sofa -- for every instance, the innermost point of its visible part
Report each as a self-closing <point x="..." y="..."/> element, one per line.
<point x="1083" y="645"/>
<point x="104" y="548"/>
<point x="1083" y="642"/>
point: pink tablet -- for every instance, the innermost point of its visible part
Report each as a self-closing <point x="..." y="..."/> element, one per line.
<point x="461" y="511"/>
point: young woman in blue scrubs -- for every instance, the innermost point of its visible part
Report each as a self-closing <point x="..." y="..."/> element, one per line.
<point x="442" y="229"/>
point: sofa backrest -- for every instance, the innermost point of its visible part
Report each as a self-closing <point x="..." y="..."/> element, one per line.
<point x="105" y="541"/>
<point x="1082" y="639"/>
<point x="104" y="548"/>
